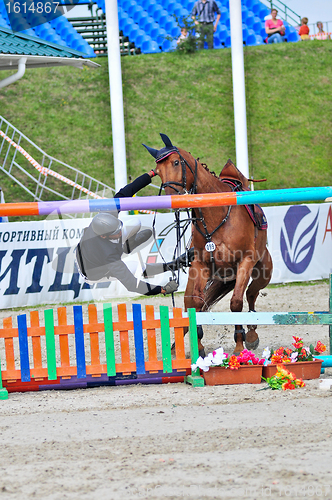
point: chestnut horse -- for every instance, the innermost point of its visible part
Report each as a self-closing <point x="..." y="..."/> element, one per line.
<point x="229" y="249"/>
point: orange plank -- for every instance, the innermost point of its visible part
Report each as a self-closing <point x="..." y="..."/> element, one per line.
<point x="94" y="337"/>
<point x="8" y="333"/>
<point x="9" y="346"/>
<point x="153" y="366"/>
<point x="178" y="364"/>
<point x="151" y="333"/>
<point x="124" y="337"/>
<point x="11" y="375"/>
<point x="63" y="339"/>
<point x="178" y="334"/>
<point x="36" y="345"/>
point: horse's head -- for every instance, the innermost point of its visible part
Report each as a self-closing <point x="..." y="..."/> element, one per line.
<point x="176" y="167"/>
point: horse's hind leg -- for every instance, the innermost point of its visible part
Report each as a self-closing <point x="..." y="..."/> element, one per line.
<point x="261" y="276"/>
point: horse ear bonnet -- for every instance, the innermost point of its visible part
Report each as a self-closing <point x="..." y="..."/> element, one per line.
<point x="162" y="153"/>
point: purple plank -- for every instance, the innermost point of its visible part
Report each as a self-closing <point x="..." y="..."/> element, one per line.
<point x="63" y="207"/>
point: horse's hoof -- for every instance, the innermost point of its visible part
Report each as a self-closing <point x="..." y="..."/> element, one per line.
<point x="202" y="353"/>
<point x="251" y="346"/>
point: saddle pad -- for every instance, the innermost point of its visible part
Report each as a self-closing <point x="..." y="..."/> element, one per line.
<point x="255" y="212"/>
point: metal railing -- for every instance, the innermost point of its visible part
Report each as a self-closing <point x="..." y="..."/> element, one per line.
<point x="284" y="11"/>
<point x="39" y="186"/>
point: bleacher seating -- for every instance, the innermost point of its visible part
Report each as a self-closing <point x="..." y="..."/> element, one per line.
<point x="149" y="24"/>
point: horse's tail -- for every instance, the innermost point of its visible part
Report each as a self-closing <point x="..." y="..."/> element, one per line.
<point x="216" y="290"/>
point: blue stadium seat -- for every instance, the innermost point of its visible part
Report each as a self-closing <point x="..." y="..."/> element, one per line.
<point x="224" y="14"/>
<point x="244" y="13"/>
<point x="227" y="42"/>
<point x="245" y="33"/>
<point x="222" y="32"/>
<point x="145" y="21"/>
<point x="151" y="28"/>
<point x="259" y="40"/>
<point x="151" y="48"/>
<point x="161" y="14"/>
<point x="161" y="36"/>
<point x="257" y="24"/>
<point x="168" y="45"/>
<point x="292" y="35"/>
<point x="250" y="20"/>
<point x="140" y="37"/>
<point x="139" y="14"/>
<point x="132" y="33"/>
<point x="217" y="42"/>
<point x="128" y="24"/>
<point x="153" y="8"/>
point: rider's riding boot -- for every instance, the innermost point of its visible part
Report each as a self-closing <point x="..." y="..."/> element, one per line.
<point x="136" y="240"/>
<point x="184" y="260"/>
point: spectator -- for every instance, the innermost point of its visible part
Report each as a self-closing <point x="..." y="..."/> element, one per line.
<point x="183" y="36"/>
<point x="204" y="11"/>
<point x="304" y="30"/>
<point x="106" y="239"/>
<point x="321" y="35"/>
<point x="275" y="28"/>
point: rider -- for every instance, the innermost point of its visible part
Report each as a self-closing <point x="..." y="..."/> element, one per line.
<point x="106" y="239"/>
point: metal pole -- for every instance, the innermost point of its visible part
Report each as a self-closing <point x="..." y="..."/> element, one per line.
<point x="239" y="94"/>
<point x="330" y="310"/>
<point x="115" y="78"/>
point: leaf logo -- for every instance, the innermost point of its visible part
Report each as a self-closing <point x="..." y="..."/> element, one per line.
<point x="298" y="238"/>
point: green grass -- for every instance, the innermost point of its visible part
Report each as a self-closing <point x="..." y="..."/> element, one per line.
<point x="66" y="112"/>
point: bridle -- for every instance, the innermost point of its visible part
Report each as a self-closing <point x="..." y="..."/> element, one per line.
<point x="183" y="184"/>
<point x="193" y="190"/>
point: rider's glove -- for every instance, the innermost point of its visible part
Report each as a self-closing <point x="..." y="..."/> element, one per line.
<point x="171" y="286"/>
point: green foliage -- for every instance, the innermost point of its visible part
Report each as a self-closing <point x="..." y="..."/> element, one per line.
<point x="189" y="44"/>
<point x="66" y="112"/>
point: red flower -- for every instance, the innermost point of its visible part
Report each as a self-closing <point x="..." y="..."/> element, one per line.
<point x="298" y="342"/>
<point x="288" y="385"/>
<point x="320" y="347"/>
<point x="233" y="363"/>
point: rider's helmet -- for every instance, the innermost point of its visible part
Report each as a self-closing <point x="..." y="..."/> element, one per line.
<point x="106" y="224"/>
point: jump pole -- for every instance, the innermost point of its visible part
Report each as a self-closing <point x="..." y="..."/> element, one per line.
<point x="168" y="202"/>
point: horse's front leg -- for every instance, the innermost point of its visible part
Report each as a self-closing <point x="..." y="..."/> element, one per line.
<point x="242" y="279"/>
<point x="199" y="274"/>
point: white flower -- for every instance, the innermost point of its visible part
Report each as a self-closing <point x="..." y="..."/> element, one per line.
<point x="266" y="353"/>
<point x="218" y="356"/>
<point x="294" y="357"/>
<point x="203" y="364"/>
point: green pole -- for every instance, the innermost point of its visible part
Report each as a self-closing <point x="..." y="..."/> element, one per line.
<point x="194" y="379"/>
<point x="3" y="391"/>
<point x="109" y="340"/>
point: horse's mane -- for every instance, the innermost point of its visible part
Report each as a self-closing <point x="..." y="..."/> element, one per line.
<point x="208" y="170"/>
<point x="204" y="165"/>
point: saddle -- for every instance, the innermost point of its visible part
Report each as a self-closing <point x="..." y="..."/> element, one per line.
<point x="232" y="176"/>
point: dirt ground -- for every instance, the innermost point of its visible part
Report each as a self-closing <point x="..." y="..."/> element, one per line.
<point x="174" y="441"/>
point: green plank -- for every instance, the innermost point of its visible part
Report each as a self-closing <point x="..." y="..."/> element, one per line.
<point x="50" y="344"/>
<point x="193" y="339"/>
<point x="165" y="339"/>
<point x="109" y="340"/>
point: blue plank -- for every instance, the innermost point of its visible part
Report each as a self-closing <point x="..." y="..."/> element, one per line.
<point x="24" y="350"/>
<point x="79" y="342"/>
<point x="139" y="344"/>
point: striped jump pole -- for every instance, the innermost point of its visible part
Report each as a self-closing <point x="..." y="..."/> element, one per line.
<point x="168" y="202"/>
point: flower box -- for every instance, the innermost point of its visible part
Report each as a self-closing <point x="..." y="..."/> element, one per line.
<point x="306" y="370"/>
<point x="245" y="374"/>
